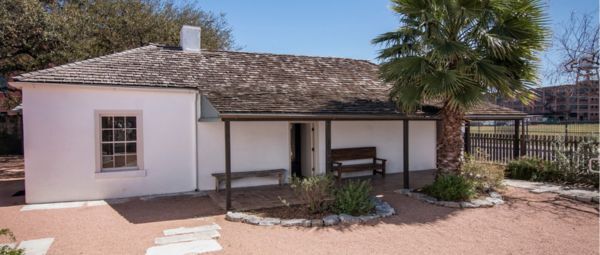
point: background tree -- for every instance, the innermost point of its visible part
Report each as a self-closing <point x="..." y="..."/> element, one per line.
<point x="454" y="52"/>
<point x="577" y="39"/>
<point x="39" y="34"/>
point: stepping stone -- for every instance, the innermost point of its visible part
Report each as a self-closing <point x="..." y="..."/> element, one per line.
<point x="183" y="230"/>
<point x="36" y="246"/>
<point x="206" y="235"/>
<point x="52" y="206"/>
<point x="194" y="247"/>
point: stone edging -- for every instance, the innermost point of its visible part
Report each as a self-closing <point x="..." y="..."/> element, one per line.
<point x="587" y="196"/>
<point x="493" y="199"/>
<point x="382" y="210"/>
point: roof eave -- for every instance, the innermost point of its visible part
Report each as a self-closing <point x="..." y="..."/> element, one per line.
<point x="496" y="116"/>
<point x="317" y="117"/>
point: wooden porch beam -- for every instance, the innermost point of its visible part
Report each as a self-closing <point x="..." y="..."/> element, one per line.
<point x="405" y="151"/>
<point x="328" y="163"/>
<point x="227" y="166"/>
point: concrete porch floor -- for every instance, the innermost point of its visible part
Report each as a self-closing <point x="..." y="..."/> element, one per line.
<point x="271" y="196"/>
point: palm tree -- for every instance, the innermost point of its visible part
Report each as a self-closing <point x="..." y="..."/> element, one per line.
<point x="452" y="53"/>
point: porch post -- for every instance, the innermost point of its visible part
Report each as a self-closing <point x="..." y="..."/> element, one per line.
<point x="405" y="151"/>
<point x="227" y="166"/>
<point x="328" y="163"/>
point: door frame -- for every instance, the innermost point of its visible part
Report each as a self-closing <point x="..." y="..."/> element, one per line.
<point x="314" y="141"/>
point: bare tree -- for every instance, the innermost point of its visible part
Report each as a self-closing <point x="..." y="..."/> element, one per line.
<point x="577" y="40"/>
<point x="576" y="49"/>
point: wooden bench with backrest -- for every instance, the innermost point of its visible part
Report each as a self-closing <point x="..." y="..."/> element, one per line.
<point x="377" y="165"/>
<point x="220" y="177"/>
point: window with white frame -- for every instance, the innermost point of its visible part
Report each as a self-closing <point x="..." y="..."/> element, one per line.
<point x="119" y="141"/>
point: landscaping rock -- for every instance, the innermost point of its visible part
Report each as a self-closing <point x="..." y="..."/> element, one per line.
<point x="468" y="205"/>
<point x="429" y="199"/>
<point x="579" y="195"/>
<point x="384" y="210"/>
<point x="348" y="219"/>
<point x="482" y="203"/>
<point x="449" y="204"/>
<point x="494" y="194"/>
<point x="270" y="221"/>
<point x="403" y="191"/>
<point x="307" y="223"/>
<point x="251" y="219"/>
<point x="316" y="223"/>
<point x="416" y="195"/>
<point x="370" y="217"/>
<point x="235" y="216"/>
<point x="595" y="199"/>
<point x="331" y="220"/>
<point x="494" y="201"/>
<point x="546" y="188"/>
<point x="292" y="223"/>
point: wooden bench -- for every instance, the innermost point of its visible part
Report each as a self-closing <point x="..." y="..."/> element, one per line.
<point x="377" y="165"/>
<point x="219" y="177"/>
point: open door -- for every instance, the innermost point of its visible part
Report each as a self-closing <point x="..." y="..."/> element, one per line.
<point x="302" y="151"/>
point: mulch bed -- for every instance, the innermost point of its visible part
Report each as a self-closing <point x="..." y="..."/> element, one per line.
<point x="290" y="212"/>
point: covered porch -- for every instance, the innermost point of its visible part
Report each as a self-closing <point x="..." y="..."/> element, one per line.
<point x="391" y="134"/>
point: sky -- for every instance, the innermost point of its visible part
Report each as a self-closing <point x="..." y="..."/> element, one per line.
<point x="337" y="28"/>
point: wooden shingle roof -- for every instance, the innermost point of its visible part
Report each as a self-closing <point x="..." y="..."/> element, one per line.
<point x="240" y="82"/>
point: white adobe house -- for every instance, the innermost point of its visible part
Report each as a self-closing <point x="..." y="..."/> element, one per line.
<point x="159" y="119"/>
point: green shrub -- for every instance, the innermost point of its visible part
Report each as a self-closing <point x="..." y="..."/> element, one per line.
<point x="6" y="250"/>
<point x="549" y="173"/>
<point x="314" y="191"/>
<point x="569" y="167"/>
<point x="485" y="176"/>
<point x="451" y="188"/>
<point x="353" y="198"/>
<point x="525" y="168"/>
<point x="572" y="166"/>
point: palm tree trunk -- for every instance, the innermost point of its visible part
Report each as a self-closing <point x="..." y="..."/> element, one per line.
<point x="451" y="141"/>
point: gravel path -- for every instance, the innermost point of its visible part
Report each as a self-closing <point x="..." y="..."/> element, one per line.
<point x="527" y="224"/>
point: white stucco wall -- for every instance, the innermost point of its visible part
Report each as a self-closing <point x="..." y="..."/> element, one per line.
<point x="422" y="145"/>
<point x="254" y="146"/>
<point x="386" y="136"/>
<point x="60" y="149"/>
<point x="60" y="146"/>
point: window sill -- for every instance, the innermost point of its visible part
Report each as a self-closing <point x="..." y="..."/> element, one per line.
<point x="120" y="174"/>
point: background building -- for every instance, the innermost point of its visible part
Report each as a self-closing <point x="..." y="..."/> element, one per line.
<point x="563" y="102"/>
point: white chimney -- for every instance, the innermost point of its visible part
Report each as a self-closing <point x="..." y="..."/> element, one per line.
<point x="190" y="38"/>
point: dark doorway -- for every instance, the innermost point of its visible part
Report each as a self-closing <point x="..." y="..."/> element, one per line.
<point x="296" y="149"/>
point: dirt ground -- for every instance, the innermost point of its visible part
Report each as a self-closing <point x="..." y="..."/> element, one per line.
<point x="526" y="224"/>
<point x="11" y="168"/>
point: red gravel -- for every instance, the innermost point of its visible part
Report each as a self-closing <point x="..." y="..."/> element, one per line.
<point x="527" y="224"/>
